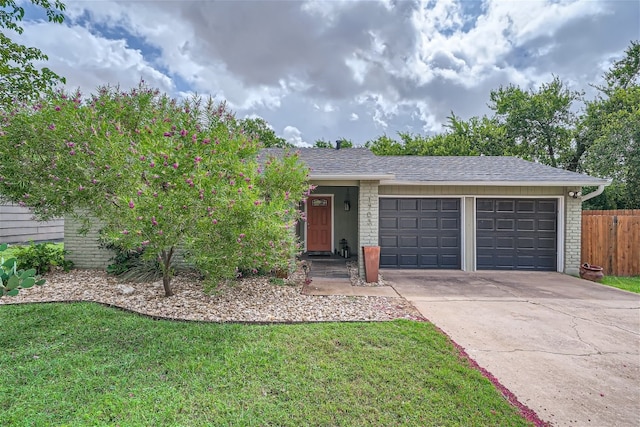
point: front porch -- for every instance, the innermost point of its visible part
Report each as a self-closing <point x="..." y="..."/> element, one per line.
<point x="341" y="217"/>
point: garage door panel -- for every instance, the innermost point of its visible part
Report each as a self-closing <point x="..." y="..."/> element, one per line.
<point x="547" y="207"/>
<point x="505" y="243"/>
<point x="526" y="224"/>
<point x="450" y="205"/>
<point x="547" y="225"/>
<point x="450" y="224"/>
<point x="526" y="242"/>
<point x="485" y="242"/>
<point x="389" y="241"/>
<point x="429" y="241"/>
<point x="516" y="234"/>
<point x="408" y="241"/>
<point x="408" y="223"/>
<point x="526" y="206"/>
<point x="548" y="262"/>
<point x="485" y="205"/>
<point x="505" y="206"/>
<point x="428" y="259"/>
<point x="450" y="242"/>
<point x="388" y="204"/>
<point x="388" y="223"/>
<point x="526" y="262"/>
<point x="430" y="205"/>
<point x="505" y="224"/>
<point x="427" y="235"/>
<point x="388" y="259"/>
<point x="408" y="261"/>
<point x="449" y="262"/>
<point x="429" y="223"/>
<point x="408" y="205"/>
<point x="546" y="243"/>
<point x="486" y="224"/>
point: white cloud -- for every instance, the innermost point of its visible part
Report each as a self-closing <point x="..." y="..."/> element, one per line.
<point x="293" y="135"/>
<point x="354" y="117"/>
<point x="89" y="61"/>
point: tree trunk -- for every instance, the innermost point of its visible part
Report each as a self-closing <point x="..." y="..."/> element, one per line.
<point x="166" y="271"/>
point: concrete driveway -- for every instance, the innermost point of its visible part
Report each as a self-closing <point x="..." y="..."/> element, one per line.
<point x="567" y="348"/>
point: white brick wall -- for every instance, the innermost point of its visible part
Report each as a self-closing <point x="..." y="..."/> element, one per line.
<point x="572" y="233"/>
<point x="367" y="219"/>
<point x="83" y="250"/>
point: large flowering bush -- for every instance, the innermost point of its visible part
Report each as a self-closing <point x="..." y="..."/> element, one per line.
<point x="160" y="174"/>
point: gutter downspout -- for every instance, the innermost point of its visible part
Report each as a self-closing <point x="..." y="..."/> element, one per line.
<point x="595" y="193"/>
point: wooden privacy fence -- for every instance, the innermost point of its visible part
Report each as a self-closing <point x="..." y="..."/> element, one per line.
<point x="611" y="239"/>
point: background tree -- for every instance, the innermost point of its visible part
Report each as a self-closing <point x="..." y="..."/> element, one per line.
<point x="611" y="133"/>
<point x="539" y="124"/>
<point x="472" y="138"/>
<point x="160" y="174"/>
<point x="259" y="128"/>
<point x="344" y="143"/>
<point x="20" y="78"/>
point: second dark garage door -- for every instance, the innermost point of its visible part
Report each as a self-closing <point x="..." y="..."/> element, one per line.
<point x="516" y="234"/>
<point x="419" y="233"/>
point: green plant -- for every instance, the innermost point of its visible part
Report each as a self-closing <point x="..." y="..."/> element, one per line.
<point x="123" y="259"/>
<point x="42" y="257"/>
<point x="276" y="281"/>
<point x="12" y="279"/>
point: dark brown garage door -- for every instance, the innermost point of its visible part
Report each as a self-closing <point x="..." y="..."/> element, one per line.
<point x="420" y="233"/>
<point x="516" y="234"/>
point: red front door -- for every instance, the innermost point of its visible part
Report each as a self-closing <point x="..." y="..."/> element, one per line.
<point x="319" y="224"/>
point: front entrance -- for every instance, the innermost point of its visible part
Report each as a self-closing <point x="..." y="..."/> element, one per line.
<point x="319" y="224"/>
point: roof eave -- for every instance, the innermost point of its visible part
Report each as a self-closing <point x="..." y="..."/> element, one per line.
<point x="500" y="183"/>
<point x="346" y="176"/>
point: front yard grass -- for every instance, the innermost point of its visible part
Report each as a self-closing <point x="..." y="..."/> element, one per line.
<point x="86" y="364"/>
<point x="631" y="284"/>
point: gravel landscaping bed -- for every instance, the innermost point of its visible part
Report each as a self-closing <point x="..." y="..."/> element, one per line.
<point x="245" y="300"/>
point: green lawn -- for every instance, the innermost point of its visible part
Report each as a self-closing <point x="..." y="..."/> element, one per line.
<point x="85" y="364"/>
<point x="631" y="284"/>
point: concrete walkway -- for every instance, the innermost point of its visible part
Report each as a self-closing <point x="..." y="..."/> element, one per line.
<point x="328" y="286"/>
<point x="329" y="276"/>
<point x="567" y="348"/>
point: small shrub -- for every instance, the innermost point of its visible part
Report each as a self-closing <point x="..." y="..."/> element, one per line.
<point x="276" y="281"/>
<point x="42" y="257"/>
<point x="130" y="264"/>
<point x="12" y="279"/>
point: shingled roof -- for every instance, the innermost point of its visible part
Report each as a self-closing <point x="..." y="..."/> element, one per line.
<point x="360" y="163"/>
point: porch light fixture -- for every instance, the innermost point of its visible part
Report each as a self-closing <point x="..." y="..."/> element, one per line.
<point x="347" y="202"/>
<point x="575" y="194"/>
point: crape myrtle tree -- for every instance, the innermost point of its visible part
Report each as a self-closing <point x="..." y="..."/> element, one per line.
<point x="160" y="174"/>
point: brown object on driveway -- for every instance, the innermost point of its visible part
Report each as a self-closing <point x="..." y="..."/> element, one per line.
<point x="591" y="272"/>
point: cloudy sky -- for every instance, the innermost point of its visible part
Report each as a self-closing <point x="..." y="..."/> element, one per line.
<point x="337" y="69"/>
